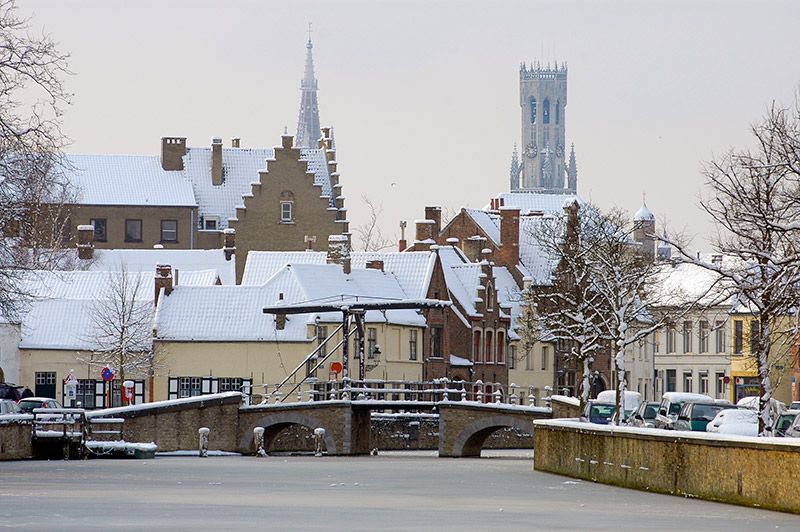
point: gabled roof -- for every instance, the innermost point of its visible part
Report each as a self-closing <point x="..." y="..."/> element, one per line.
<point x="127" y="180"/>
<point x="234" y="314"/>
<point x="489" y="222"/>
<point x="538" y="263"/>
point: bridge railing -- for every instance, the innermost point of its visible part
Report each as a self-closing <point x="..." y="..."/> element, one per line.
<point x="436" y="390"/>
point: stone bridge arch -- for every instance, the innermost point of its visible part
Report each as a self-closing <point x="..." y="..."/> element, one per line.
<point x="470" y="439"/>
<point x="275" y="423"/>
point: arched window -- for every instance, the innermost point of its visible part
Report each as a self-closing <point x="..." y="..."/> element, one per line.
<point x="546" y="111"/>
<point x="533" y="110"/>
<point x="558" y="112"/>
<point x="489" y="351"/>
<point x="476" y="347"/>
<point x="489" y="297"/>
<point x="501" y="347"/>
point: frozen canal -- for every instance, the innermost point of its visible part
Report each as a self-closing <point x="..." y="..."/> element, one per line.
<point x="392" y="491"/>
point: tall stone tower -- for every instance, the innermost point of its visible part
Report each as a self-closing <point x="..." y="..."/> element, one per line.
<point x="308" y="130"/>
<point x="644" y="231"/>
<point x="543" y="101"/>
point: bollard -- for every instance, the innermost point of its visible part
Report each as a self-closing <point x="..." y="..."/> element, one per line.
<point x="319" y="434"/>
<point x="497" y="396"/>
<point x="463" y="393"/>
<point x="258" y="441"/>
<point x="203" y="432"/>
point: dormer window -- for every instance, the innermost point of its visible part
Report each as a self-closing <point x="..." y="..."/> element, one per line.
<point x="210" y="223"/>
<point x="286" y="212"/>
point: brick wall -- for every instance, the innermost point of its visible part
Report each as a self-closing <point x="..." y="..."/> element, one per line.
<point x="15" y="440"/>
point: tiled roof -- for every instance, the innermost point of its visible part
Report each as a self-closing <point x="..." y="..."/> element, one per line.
<point x="538" y="263"/>
<point x="489" y="222"/>
<point x="535" y="202"/>
<point x="318" y="163"/>
<point x="127" y="180"/>
<point x="187" y="261"/>
<point x="240" y="168"/>
<point x="262" y="265"/>
<point x="58" y="324"/>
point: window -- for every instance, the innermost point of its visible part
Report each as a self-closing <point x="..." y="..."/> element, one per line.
<point x="738" y="340"/>
<point x="528" y="361"/>
<point x="436" y="341"/>
<point x="558" y="112"/>
<point x="286" y="211"/>
<point x="512" y="357"/>
<point x="720" y="384"/>
<point x="65" y="230"/>
<point x="670" y="339"/>
<point x="545" y="356"/>
<point x="322" y="334"/>
<point x="45" y="384"/>
<point x="477" y="355"/>
<point x="501" y="347"/>
<point x="210" y="224"/>
<point x="546" y="111"/>
<point x="687" y="381"/>
<point x="671" y="379"/>
<point x="189" y="386"/>
<point x="488" y="353"/>
<point x="489" y="297"/>
<point x="85" y="393"/>
<point x="704" y="382"/>
<point x="533" y="110"/>
<point x="719" y="336"/>
<point x="703" y="337"/>
<point x="754" y="333"/>
<point x="687" y="336"/>
<point x="656" y="341"/>
<point x="230" y="384"/>
<point x="169" y="230"/>
<point x="412" y="344"/>
<point x="372" y="341"/>
<point x="133" y="230"/>
<point x="99" y="224"/>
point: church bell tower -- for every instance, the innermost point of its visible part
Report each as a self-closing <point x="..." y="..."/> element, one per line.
<point x="543" y="102"/>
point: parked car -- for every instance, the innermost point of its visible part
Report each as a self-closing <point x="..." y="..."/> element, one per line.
<point x="795" y="405"/>
<point x="597" y="412"/>
<point x="741" y="421"/>
<point x="630" y="401"/>
<point x="752" y="403"/>
<point x="8" y="406"/>
<point x="645" y="415"/>
<point x="696" y="416"/>
<point x="27" y="405"/>
<point x="671" y="404"/>
<point x="784" y="422"/>
<point x="10" y="391"/>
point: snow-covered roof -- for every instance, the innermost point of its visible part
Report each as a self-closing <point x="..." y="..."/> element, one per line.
<point x="189" y="261"/>
<point x="488" y="222"/>
<point x="127" y="180"/>
<point x="58" y="324"/>
<point x="318" y="164"/>
<point x="412" y="270"/>
<point x="535" y="202"/>
<point x="538" y="263"/>
<point x="240" y="168"/>
<point x="458" y="361"/>
<point x="644" y="214"/>
<point x="686" y="282"/>
<point x="82" y="284"/>
<point x="509" y="295"/>
<point x="234" y="313"/>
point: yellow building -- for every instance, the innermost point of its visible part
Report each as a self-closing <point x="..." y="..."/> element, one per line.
<point x="744" y="329"/>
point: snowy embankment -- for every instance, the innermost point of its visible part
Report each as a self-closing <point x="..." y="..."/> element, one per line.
<point x="162" y="404"/>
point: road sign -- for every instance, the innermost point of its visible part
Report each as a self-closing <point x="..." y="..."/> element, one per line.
<point x="336" y="367"/>
<point x="107" y="374"/>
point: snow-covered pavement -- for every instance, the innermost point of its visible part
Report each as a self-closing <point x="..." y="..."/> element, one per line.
<point x="391" y="491"/>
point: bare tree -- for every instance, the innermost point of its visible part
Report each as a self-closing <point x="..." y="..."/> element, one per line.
<point x="33" y="188"/>
<point x="122" y="327"/>
<point x="754" y="199"/>
<point x="567" y="310"/>
<point x="369" y="235"/>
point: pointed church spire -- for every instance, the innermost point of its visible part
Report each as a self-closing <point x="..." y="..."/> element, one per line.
<point x="516" y="168"/>
<point x="308" y="130"/>
<point x="572" y="171"/>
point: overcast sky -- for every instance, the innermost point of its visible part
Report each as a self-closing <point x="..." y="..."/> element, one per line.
<point x="426" y="94"/>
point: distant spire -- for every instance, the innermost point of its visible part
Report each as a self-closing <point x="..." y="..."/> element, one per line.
<point x="516" y="169"/>
<point x="572" y="171"/>
<point x="308" y="130"/>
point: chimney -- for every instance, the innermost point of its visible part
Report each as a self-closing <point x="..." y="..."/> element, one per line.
<point x="403" y="244"/>
<point x="85" y="242"/>
<point x="229" y="246"/>
<point x="216" y="161"/>
<point x="235" y="142"/>
<point x="508" y="254"/>
<point x="286" y="141"/>
<point x="163" y="280"/>
<point x="172" y="151"/>
<point x="424" y="234"/>
<point x="339" y="251"/>
<point x="434" y="213"/>
<point x="473" y="246"/>
<point x="375" y="265"/>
